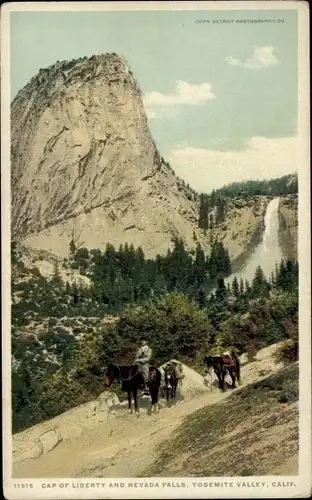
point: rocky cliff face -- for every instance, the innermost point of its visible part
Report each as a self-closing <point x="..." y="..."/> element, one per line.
<point x="84" y="164"/>
<point x="288" y="226"/>
<point x="85" y="168"/>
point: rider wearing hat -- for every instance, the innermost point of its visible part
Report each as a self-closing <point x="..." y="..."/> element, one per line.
<point x="142" y="359"/>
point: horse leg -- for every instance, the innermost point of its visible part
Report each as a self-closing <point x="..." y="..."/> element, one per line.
<point x="135" y="397"/>
<point x="219" y="380"/>
<point x="152" y="402"/>
<point x="156" y="405"/>
<point x="222" y="380"/>
<point x="129" y="402"/>
<point x="167" y="394"/>
<point x="157" y="402"/>
<point x="232" y="374"/>
<point x="218" y="373"/>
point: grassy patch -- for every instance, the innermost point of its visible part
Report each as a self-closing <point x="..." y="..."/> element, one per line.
<point x="247" y="433"/>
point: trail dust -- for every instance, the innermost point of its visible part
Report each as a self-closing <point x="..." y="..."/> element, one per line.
<point x="126" y="445"/>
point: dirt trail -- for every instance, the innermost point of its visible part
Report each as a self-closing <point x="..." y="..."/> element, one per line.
<point x="125" y="445"/>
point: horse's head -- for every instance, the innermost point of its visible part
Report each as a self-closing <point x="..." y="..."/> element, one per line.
<point x="169" y="371"/>
<point x="112" y="373"/>
<point x="152" y="374"/>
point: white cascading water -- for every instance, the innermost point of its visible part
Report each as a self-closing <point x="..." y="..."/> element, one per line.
<point x="268" y="252"/>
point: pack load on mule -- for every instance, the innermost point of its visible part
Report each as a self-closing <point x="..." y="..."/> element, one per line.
<point x="226" y="362"/>
<point x="173" y="374"/>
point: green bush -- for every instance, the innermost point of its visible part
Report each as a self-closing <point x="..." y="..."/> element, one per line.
<point x="82" y="253"/>
<point x="288" y="352"/>
<point x="174" y="326"/>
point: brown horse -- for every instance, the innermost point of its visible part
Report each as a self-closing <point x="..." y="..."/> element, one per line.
<point x="223" y="364"/>
<point x="132" y="381"/>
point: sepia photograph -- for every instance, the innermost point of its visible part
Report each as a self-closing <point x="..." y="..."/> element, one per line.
<point x="156" y="250"/>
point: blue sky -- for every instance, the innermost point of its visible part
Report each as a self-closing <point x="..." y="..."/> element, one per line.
<point x="221" y="97"/>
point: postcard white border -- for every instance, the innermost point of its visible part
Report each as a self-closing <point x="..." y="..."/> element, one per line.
<point x="302" y="482"/>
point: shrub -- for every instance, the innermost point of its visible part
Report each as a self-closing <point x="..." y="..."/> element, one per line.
<point x="82" y="253"/>
<point x="287" y="396"/>
<point x="52" y="321"/>
<point x="174" y="326"/>
<point x="288" y="352"/>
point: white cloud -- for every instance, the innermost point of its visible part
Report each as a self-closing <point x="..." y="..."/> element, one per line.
<point x="160" y="105"/>
<point x="262" y="57"/>
<point x="207" y="169"/>
<point x="159" y="113"/>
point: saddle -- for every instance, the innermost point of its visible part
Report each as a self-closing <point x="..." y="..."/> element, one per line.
<point x="127" y="372"/>
<point x="227" y="360"/>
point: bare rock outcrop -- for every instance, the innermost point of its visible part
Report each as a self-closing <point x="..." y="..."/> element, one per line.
<point x="44" y="437"/>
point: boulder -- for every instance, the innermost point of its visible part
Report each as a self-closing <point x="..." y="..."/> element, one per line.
<point x="49" y="440"/>
<point x="107" y="400"/>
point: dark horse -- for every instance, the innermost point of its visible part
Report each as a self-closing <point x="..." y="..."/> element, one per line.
<point x="172" y="379"/>
<point x="223" y="364"/>
<point x="132" y="381"/>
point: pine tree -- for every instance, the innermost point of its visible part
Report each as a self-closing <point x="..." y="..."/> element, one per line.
<point x="281" y="277"/>
<point x="220" y="212"/>
<point x="213" y="198"/>
<point x="221" y="290"/>
<point x="227" y="263"/>
<point x="201" y="299"/>
<point x="272" y="281"/>
<point x="213" y="262"/>
<point x="203" y="213"/>
<point x="241" y="287"/>
<point x="199" y="267"/>
<point x="248" y="290"/>
<point x="235" y="287"/>
<point x="259" y="284"/>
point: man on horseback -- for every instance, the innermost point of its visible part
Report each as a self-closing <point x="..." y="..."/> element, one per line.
<point x="142" y="359"/>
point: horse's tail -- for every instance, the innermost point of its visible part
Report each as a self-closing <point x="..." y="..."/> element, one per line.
<point x="237" y="363"/>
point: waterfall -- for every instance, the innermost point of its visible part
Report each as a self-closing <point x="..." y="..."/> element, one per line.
<point x="268" y="252"/>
